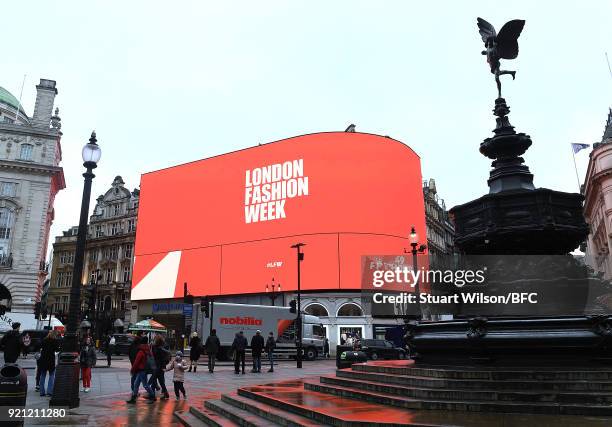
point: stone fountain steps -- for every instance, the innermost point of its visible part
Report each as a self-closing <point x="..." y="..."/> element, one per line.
<point x="477" y="384"/>
<point x="201" y="417"/>
<point x="492" y="374"/>
<point x="361" y="392"/>
<point x="470" y="394"/>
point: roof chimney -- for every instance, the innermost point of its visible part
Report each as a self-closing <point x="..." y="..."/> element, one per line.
<point x="43" y="109"/>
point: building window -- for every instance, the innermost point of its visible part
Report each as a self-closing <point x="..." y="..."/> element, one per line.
<point x="64" y="304"/>
<point x="131" y="225"/>
<point x="26" y="152"/>
<point x="126" y="274"/>
<point x="93" y="255"/>
<point x="6" y="220"/>
<point x="70" y="257"/>
<point x="68" y="279"/>
<point x="113" y="252"/>
<point x="105" y="253"/>
<point x="127" y="251"/>
<point x="99" y="232"/>
<point x="115" y="228"/>
<point x="350" y="310"/>
<point x="117" y="209"/>
<point x="8" y="189"/>
<point x="60" y="279"/>
<point x="316" y="310"/>
<point x="110" y="275"/>
<point x="123" y="301"/>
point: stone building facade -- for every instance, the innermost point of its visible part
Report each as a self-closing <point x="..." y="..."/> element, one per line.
<point x="597" y="191"/>
<point x="109" y="258"/>
<point x="440" y="229"/>
<point x="30" y="177"/>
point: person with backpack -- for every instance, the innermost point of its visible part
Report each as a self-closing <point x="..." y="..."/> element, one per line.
<point x="179" y="366"/>
<point x="162" y="358"/>
<point x="144" y="363"/>
<point x="257" y="346"/>
<point x="239" y="348"/>
<point x="270" y="346"/>
<point x="212" y="347"/>
<point x="87" y="360"/>
<point x="194" y="353"/>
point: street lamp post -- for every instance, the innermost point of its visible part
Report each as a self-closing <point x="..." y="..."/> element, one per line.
<point x="416" y="249"/>
<point x="272" y="292"/>
<point x="298" y="322"/>
<point x="66" y="391"/>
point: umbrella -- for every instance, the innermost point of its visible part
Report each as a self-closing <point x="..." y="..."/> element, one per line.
<point x="148" y="325"/>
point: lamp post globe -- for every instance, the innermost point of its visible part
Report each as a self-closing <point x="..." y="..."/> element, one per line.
<point x="66" y="390"/>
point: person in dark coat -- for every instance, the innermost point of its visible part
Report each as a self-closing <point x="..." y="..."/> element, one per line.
<point x="194" y="353"/>
<point x="11" y="342"/>
<point x="47" y="363"/>
<point x="326" y="348"/>
<point x="162" y="358"/>
<point x="270" y="346"/>
<point x="132" y="351"/>
<point x="239" y="348"/>
<point x="212" y="347"/>
<point x="257" y="345"/>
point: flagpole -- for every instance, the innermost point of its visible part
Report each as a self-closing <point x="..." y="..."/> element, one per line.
<point x="20" y="95"/>
<point x="576" y="168"/>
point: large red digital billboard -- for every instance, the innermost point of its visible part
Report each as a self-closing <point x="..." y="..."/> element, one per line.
<point x="225" y="225"/>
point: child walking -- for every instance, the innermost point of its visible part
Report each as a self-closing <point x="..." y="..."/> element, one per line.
<point x="179" y="366"/>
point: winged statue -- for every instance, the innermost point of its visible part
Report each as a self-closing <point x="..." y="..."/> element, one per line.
<point x="502" y="45"/>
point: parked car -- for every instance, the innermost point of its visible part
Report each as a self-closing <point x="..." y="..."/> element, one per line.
<point x="122" y="343"/>
<point x="382" y="349"/>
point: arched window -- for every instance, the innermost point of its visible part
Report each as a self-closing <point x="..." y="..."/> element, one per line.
<point x="26" y="152"/>
<point x="350" y="310"/>
<point x="315" y="309"/>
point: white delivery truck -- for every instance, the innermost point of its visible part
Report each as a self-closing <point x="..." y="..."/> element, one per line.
<point x="228" y="319"/>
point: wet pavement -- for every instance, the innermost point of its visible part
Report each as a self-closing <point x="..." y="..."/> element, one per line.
<point x="105" y="404"/>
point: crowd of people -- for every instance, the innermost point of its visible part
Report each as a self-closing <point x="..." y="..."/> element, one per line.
<point x="148" y="361"/>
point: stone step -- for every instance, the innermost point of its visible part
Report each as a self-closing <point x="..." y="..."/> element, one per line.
<point x="459" y="405"/>
<point x="235" y="414"/>
<point x="189" y="420"/>
<point x="274" y="415"/>
<point x="478" y="372"/>
<point x="527" y="396"/>
<point x="331" y="410"/>
<point x="211" y="418"/>
<point x="486" y="384"/>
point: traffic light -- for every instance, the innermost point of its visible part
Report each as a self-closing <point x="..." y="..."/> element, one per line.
<point x="293" y="306"/>
<point x="37" y="310"/>
<point x="205" y="306"/>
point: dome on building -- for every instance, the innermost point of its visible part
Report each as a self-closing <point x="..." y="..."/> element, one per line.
<point x="8" y="98"/>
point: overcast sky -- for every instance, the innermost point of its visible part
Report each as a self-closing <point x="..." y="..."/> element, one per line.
<point x="165" y="83"/>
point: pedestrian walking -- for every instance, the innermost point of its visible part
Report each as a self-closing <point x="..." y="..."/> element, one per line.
<point x="143" y="363"/>
<point x="110" y="349"/>
<point x="37" y="358"/>
<point x="239" y="348"/>
<point x="270" y="346"/>
<point x="47" y="363"/>
<point x="326" y="348"/>
<point x="162" y="358"/>
<point x="12" y="343"/>
<point x="179" y="366"/>
<point x="194" y="353"/>
<point x="87" y="360"/>
<point x="212" y="347"/>
<point x="257" y="346"/>
<point x="132" y="351"/>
